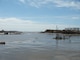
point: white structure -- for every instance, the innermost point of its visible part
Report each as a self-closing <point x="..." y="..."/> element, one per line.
<point x="73" y="29"/>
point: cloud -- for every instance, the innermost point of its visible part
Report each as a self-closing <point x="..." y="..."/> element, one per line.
<point x="75" y="18"/>
<point x="71" y="4"/>
<point x="57" y="3"/>
<point x="22" y="1"/>
<point x="15" y="23"/>
<point x="67" y="17"/>
<point x="24" y="25"/>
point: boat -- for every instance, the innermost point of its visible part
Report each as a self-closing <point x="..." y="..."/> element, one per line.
<point x="58" y="36"/>
<point x="2" y="42"/>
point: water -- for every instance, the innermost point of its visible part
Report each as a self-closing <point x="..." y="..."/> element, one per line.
<point x="39" y="46"/>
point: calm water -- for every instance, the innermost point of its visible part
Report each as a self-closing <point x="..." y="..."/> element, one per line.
<point x="39" y="46"/>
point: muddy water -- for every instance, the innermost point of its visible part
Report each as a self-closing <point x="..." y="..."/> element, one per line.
<point x="39" y="46"/>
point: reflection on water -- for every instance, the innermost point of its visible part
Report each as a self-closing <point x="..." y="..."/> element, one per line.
<point x="39" y="46"/>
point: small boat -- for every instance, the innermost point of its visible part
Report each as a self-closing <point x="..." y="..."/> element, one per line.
<point x="2" y="42"/>
<point x="58" y="36"/>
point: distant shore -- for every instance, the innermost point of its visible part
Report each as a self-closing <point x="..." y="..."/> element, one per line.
<point x="61" y="31"/>
<point x="2" y="32"/>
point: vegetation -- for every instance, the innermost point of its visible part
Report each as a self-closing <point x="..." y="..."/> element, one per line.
<point x="64" y="31"/>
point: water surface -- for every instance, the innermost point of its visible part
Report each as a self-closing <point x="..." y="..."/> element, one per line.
<point x="39" y="46"/>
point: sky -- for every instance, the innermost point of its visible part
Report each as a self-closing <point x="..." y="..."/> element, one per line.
<point x="39" y="15"/>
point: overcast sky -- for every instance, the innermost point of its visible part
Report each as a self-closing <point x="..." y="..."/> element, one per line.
<point x="39" y="15"/>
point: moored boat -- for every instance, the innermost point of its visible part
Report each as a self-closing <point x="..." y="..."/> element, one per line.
<point x="2" y="42"/>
